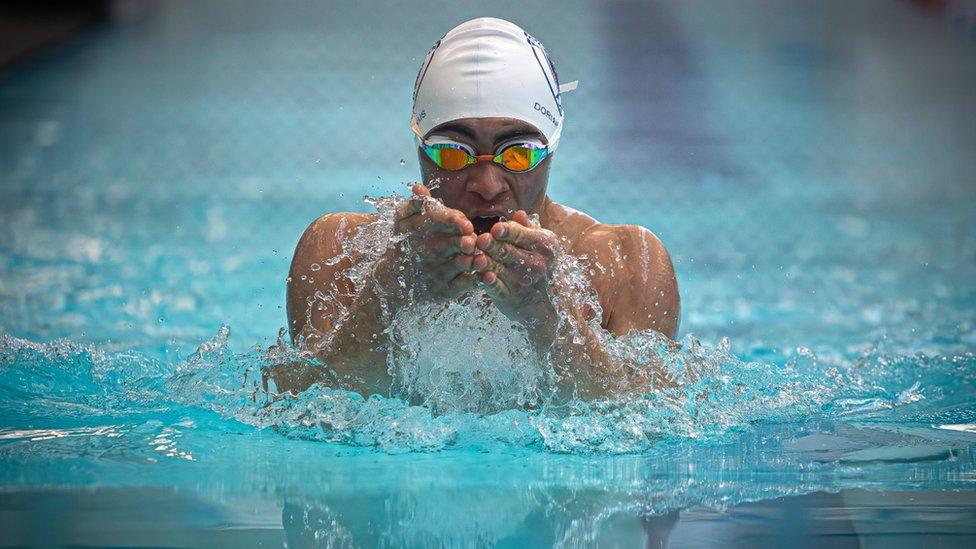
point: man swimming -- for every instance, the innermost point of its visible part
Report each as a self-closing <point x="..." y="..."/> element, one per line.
<point x="487" y="119"/>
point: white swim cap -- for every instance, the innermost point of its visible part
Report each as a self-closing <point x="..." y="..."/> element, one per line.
<point x="488" y="67"/>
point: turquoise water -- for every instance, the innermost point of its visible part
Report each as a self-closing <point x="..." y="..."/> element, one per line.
<point x="810" y="169"/>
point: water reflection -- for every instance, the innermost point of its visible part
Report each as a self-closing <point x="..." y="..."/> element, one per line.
<point x="482" y="518"/>
<point x="460" y="518"/>
<point x="799" y="484"/>
<point x="803" y="486"/>
<point x="848" y="518"/>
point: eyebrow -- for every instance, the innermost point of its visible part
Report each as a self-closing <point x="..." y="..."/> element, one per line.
<point x="464" y="132"/>
<point x="456" y="129"/>
<point x="521" y="132"/>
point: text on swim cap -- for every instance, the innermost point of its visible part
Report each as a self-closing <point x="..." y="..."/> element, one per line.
<point x="545" y="112"/>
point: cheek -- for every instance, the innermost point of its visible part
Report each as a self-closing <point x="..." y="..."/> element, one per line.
<point x="435" y="177"/>
<point x="447" y="187"/>
<point x="528" y="191"/>
<point x="444" y="179"/>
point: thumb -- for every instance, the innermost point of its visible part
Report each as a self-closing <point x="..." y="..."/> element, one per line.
<point x="493" y="285"/>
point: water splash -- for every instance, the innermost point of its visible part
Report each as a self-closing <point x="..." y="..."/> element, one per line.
<point x="67" y="380"/>
<point x="64" y="380"/>
<point x="465" y="376"/>
<point x="465" y="356"/>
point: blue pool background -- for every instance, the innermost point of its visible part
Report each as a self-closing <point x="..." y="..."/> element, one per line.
<point x="809" y="166"/>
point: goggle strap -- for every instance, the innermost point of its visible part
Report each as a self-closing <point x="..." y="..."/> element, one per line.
<point x="568" y="86"/>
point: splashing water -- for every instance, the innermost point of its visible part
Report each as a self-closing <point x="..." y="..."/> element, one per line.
<point x="63" y="379"/>
<point x="464" y="356"/>
<point x="496" y="393"/>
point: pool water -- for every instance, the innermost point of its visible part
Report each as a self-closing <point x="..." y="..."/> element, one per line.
<point x="809" y="167"/>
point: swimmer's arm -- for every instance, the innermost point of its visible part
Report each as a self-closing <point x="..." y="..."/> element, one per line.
<point x="319" y="295"/>
<point x="620" y="257"/>
<point x="647" y="293"/>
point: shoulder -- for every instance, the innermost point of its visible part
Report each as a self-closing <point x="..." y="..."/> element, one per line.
<point x="624" y="242"/>
<point x="333" y="226"/>
<point x="566" y="223"/>
<point x="324" y="235"/>
<point x="585" y="234"/>
<point x="637" y="275"/>
<point x="313" y="266"/>
<point x="633" y="240"/>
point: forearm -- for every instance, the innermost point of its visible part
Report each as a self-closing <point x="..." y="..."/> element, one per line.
<point x="581" y="351"/>
<point x="345" y="329"/>
<point x="359" y="327"/>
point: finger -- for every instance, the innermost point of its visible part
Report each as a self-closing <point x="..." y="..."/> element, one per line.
<point x="411" y="222"/>
<point x="509" y="277"/>
<point x="503" y="252"/>
<point x="447" y="273"/>
<point x="479" y="262"/>
<point x="463" y="282"/>
<point x="443" y="246"/>
<point x="449" y="268"/>
<point x="413" y="206"/>
<point x="444" y="220"/>
<point x="494" y="285"/>
<point x="464" y="262"/>
<point x="468" y="243"/>
<point x="451" y="221"/>
<point x="528" y="238"/>
<point x="521" y="273"/>
<point x="522" y="218"/>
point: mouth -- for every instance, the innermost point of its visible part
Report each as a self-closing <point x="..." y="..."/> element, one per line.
<point x="484" y="223"/>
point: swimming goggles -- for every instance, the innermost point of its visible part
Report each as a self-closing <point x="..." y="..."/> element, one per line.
<point x="517" y="156"/>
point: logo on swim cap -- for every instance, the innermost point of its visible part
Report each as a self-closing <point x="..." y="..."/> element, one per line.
<point x="423" y="68"/>
<point x="554" y="82"/>
<point x="545" y="112"/>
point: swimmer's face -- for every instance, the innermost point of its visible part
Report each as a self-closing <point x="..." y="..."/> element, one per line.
<point x="485" y="191"/>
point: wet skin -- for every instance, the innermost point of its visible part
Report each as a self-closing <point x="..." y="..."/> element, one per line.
<point x="467" y="245"/>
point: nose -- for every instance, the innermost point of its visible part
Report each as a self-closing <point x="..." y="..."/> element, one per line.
<point x="485" y="181"/>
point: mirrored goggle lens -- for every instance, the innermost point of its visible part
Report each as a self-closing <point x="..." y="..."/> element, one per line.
<point x="517" y="158"/>
<point x="448" y="157"/>
<point x="520" y="158"/>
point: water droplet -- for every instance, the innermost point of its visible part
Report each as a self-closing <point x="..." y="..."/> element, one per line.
<point x="315" y="266"/>
<point x="160" y="320"/>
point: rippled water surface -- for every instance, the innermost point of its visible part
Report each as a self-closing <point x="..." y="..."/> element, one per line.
<point x="808" y="167"/>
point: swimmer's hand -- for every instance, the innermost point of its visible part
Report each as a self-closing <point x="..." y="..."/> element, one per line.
<point x="440" y="242"/>
<point x="515" y="269"/>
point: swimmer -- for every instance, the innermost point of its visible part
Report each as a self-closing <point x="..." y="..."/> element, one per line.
<point x="486" y="119"/>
